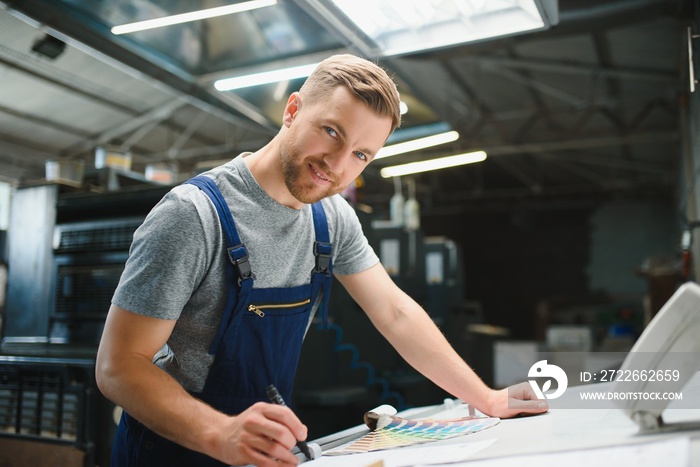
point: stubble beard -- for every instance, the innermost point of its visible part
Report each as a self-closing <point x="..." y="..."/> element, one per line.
<point x="293" y="165"/>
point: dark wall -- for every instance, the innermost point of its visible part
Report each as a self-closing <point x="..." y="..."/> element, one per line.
<point x="513" y="259"/>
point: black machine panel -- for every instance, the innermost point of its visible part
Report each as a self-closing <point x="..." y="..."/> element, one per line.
<point x="89" y="258"/>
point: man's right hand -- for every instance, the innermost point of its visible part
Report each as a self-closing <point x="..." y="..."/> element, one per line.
<point x="263" y="435"/>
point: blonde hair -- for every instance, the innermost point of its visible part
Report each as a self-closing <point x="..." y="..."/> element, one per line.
<point x="365" y="80"/>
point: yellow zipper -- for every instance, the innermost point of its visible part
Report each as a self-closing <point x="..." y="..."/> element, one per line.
<point x="258" y="309"/>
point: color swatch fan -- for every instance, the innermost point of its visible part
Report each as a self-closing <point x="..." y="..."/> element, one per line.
<point x="390" y="431"/>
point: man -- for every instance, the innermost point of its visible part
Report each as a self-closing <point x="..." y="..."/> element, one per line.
<point x="227" y="271"/>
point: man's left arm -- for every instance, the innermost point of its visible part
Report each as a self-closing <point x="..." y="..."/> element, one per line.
<point x="410" y="330"/>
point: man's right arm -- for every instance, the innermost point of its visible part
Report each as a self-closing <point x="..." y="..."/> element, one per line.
<point x="126" y="375"/>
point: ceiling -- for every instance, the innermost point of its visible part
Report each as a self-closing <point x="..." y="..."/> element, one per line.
<point x="587" y="110"/>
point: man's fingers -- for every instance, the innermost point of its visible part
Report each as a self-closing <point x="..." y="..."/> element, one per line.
<point x="261" y="446"/>
<point x="286" y="417"/>
<point x="522" y="391"/>
<point x="527" y="406"/>
<point x="270" y="429"/>
<point x="522" y="400"/>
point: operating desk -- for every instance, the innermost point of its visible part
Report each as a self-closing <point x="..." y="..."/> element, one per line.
<point x="563" y="436"/>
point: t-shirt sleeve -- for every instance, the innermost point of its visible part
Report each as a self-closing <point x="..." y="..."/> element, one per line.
<point x="354" y="253"/>
<point x="169" y="256"/>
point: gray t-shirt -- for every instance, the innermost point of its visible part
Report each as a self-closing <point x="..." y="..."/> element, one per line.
<point x="177" y="262"/>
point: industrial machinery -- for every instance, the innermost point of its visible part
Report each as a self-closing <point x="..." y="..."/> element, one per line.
<point x="67" y="249"/>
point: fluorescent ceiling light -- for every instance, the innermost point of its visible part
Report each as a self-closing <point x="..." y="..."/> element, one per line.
<point x="191" y="16"/>
<point x="403" y="26"/>
<point x="433" y="164"/>
<point x="416" y="144"/>
<point x="266" y="77"/>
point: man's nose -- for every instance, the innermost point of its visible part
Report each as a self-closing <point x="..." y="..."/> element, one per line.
<point x="337" y="159"/>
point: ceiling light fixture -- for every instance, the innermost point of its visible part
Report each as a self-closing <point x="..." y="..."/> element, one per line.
<point x="191" y="16"/>
<point x="433" y="164"/>
<point x="416" y="144"/>
<point x="266" y="77"/>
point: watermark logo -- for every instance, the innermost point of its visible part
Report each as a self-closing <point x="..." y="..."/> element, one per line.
<point x="542" y="369"/>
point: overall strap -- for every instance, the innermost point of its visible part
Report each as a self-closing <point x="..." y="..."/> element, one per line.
<point x="238" y="268"/>
<point x="321" y="276"/>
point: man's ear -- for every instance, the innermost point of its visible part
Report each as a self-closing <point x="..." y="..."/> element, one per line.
<point x="291" y="109"/>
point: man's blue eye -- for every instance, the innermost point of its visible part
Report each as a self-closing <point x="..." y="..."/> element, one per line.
<point x="330" y="131"/>
<point x="361" y="155"/>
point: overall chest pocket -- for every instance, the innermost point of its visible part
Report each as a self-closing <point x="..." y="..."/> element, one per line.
<point x="267" y="345"/>
<point x="272" y="310"/>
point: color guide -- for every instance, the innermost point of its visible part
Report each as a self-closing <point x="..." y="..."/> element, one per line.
<point x="401" y="432"/>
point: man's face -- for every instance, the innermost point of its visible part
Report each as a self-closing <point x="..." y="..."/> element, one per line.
<point x="328" y="143"/>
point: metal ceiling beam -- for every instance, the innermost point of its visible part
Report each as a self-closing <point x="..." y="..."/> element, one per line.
<point x="539" y="102"/>
<point x="248" y="109"/>
<point x="576" y="169"/>
<point x="519" y="174"/>
<point x="616" y="163"/>
<point x="567" y="68"/>
<point x="230" y="149"/>
<point x="544" y="88"/>
<point x="586" y="143"/>
<point x="72" y="26"/>
<point x="601" y="45"/>
<point x="74" y="84"/>
<point x="582" y="120"/>
<point x="660" y="103"/>
<point x="133" y="124"/>
<point x="44" y="122"/>
<point x="139" y="134"/>
<point x="68" y="82"/>
<point x="484" y="111"/>
<point x="524" y="114"/>
<point x="182" y="138"/>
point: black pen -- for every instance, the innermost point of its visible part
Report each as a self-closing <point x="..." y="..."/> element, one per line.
<point x="275" y="397"/>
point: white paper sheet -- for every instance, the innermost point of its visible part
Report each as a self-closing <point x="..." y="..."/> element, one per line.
<point x="673" y="452"/>
<point x="409" y="456"/>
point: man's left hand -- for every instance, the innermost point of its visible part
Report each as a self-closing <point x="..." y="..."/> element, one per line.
<point x="515" y="400"/>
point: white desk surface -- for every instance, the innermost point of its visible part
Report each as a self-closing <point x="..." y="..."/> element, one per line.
<point x="569" y="437"/>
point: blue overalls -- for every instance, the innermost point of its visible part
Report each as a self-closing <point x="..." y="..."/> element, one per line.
<point x="257" y="343"/>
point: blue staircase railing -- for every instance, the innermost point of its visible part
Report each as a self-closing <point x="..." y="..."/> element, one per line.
<point x="387" y="395"/>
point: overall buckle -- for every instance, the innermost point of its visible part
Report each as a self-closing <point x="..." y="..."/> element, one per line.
<point x="322" y="251"/>
<point x="238" y="255"/>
